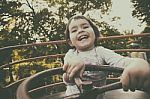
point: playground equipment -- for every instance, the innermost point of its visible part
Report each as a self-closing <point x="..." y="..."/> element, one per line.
<point x="26" y="88"/>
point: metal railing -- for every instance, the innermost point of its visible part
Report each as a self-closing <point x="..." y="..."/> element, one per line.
<point x="15" y="85"/>
<point x="63" y="42"/>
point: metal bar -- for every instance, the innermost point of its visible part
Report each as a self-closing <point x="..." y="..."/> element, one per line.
<point x="92" y="94"/>
<point x="34" y="44"/>
<point x="62" y="55"/>
<point x="32" y="59"/>
<point x="124" y="36"/>
<point x="46" y="86"/>
<point x="64" y="41"/>
<point x="132" y="50"/>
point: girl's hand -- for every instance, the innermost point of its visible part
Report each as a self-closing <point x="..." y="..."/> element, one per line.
<point x="136" y="76"/>
<point x="74" y="68"/>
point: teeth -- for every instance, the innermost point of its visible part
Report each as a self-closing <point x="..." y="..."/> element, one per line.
<point x="83" y="37"/>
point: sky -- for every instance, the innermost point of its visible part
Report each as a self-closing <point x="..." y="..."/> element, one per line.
<point x="120" y="8"/>
<point x="123" y="9"/>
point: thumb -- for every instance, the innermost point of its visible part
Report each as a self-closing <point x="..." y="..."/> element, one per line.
<point x="125" y="80"/>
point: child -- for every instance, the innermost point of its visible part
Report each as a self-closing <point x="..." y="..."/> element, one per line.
<point x="81" y="35"/>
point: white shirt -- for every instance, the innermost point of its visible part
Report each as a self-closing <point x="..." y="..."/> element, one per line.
<point x="97" y="56"/>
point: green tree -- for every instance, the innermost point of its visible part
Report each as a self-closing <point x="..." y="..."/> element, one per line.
<point x="19" y="26"/>
<point x="141" y="10"/>
<point x="22" y="26"/>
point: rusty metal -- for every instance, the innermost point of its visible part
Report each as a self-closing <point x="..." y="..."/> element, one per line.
<point x="46" y="86"/>
<point x="103" y="68"/>
<point x="64" y="41"/>
<point x="32" y="59"/>
<point x="34" y="44"/>
<point x="92" y="94"/>
<point x="132" y="50"/>
<point x="15" y="85"/>
<point x="24" y="89"/>
<point x="62" y="55"/>
<point x="9" y="91"/>
<point x="124" y="36"/>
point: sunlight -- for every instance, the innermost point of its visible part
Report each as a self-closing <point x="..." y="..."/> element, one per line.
<point x="123" y="9"/>
<point x="120" y="8"/>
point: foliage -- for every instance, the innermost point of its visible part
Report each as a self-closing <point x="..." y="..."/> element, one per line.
<point x="145" y="42"/>
<point x="20" y="26"/>
<point x="27" y="69"/>
<point x="24" y="23"/>
<point x="142" y="10"/>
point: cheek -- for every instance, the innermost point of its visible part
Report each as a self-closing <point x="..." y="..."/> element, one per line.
<point x="93" y="35"/>
<point x="72" y="38"/>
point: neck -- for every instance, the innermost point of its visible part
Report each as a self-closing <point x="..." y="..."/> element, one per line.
<point x="86" y="49"/>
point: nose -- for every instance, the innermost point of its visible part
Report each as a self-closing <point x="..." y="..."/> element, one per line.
<point x="80" y="30"/>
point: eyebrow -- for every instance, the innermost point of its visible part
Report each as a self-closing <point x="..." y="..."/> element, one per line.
<point x="85" y="24"/>
<point x="81" y="25"/>
<point x="74" y="27"/>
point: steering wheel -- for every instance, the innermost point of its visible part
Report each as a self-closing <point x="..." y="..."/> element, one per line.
<point x="24" y="90"/>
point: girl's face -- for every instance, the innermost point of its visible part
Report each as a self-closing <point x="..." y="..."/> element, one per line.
<point x="82" y="35"/>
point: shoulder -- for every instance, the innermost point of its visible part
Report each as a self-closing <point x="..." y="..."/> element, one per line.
<point x="103" y="49"/>
<point x="70" y="53"/>
<point x="107" y="53"/>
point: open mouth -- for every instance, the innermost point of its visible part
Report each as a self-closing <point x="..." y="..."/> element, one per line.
<point x="83" y="37"/>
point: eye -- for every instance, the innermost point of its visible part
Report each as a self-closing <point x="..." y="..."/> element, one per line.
<point x="73" y="30"/>
<point x="85" y="26"/>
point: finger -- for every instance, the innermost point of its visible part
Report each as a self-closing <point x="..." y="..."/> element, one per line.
<point x="74" y="71"/>
<point x="65" y="78"/>
<point x="65" y="67"/>
<point x="125" y="80"/>
<point x="82" y="71"/>
<point x="133" y="83"/>
<point x="70" y="69"/>
<point x="78" y="81"/>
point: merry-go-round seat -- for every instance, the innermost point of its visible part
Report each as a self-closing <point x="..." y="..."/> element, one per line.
<point x="23" y="89"/>
<point x="114" y="94"/>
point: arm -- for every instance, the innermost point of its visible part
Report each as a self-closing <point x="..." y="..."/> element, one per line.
<point x="72" y="66"/>
<point x="136" y="75"/>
